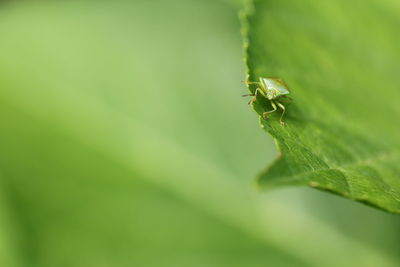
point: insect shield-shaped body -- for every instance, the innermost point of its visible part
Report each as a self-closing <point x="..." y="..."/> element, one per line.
<point x="273" y="89"/>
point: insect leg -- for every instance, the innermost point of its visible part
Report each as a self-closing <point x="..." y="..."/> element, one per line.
<point x="265" y="114"/>
<point x="254" y="98"/>
<point x="245" y="82"/>
<point x="283" y="112"/>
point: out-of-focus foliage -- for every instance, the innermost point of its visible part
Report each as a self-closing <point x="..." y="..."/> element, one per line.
<point x="341" y="60"/>
<point x="124" y="142"/>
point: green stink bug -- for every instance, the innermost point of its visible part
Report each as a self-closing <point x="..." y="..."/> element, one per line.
<point x="273" y="89"/>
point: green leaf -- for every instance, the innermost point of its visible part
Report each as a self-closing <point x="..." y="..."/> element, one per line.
<point x="340" y="60"/>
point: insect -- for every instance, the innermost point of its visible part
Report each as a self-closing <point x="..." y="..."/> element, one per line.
<point x="273" y="89"/>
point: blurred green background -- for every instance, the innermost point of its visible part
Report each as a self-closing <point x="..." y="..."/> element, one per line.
<point x="125" y="142"/>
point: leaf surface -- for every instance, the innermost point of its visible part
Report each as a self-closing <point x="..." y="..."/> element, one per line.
<point x="340" y="61"/>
